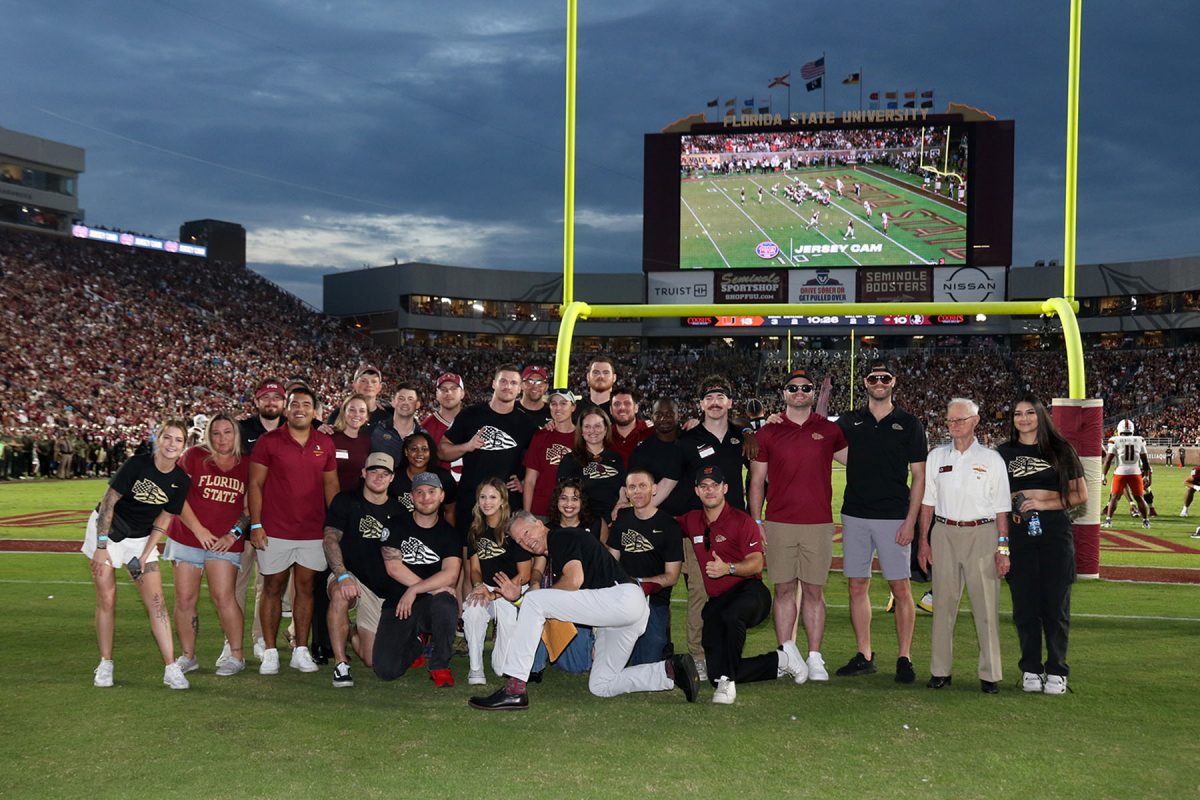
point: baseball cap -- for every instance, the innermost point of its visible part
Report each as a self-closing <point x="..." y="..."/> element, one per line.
<point x="367" y="369"/>
<point x="879" y="365"/>
<point x="450" y="377"/>
<point x="796" y="374"/>
<point x="710" y="473"/>
<point x="565" y="394"/>
<point x="426" y="479"/>
<point x="532" y="371"/>
<point x="381" y="460"/>
<point x="269" y="387"/>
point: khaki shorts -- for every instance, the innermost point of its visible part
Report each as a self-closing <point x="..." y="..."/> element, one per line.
<point x="802" y="552"/>
<point x="368" y="605"/>
<point x="281" y="554"/>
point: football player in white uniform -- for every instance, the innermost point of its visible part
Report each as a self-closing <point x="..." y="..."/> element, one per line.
<point x="1129" y="452"/>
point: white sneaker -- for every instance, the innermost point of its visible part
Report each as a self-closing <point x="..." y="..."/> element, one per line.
<point x="303" y="660"/>
<point x="226" y="654"/>
<point x="103" y="674"/>
<point x="816" y="667"/>
<point x="1146" y="524"/>
<point x="173" y="677"/>
<point x="726" y="692"/>
<point x="790" y="663"/>
<point x="1183" y="512"/>
<point x="926" y="602"/>
<point x="230" y="666"/>
<point x="476" y="677"/>
<point x="186" y="664"/>
<point x="260" y="647"/>
<point x="1031" y="682"/>
<point x="702" y="668"/>
<point x="270" y="662"/>
<point x="1107" y="522"/>
<point x="1196" y="533"/>
<point x="1055" y="684"/>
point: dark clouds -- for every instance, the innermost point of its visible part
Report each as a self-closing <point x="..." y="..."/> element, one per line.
<point x="357" y="132"/>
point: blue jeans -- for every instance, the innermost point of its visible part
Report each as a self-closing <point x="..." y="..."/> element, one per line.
<point x="650" y="645"/>
<point x="577" y="657"/>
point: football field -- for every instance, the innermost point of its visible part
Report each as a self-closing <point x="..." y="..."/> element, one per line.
<point x="719" y="229"/>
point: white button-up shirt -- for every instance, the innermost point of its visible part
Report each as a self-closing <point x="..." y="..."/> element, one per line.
<point x="966" y="486"/>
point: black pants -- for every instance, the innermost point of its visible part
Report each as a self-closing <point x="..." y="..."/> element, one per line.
<point x="320" y="617"/>
<point x="727" y="617"/>
<point x="1039" y="578"/>
<point x="396" y="640"/>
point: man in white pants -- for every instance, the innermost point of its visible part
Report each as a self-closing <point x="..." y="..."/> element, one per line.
<point x="590" y="588"/>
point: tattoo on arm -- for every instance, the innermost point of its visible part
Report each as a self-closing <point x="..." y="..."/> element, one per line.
<point x="333" y="550"/>
<point x="104" y="523"/>
<point x="391" y="554"/>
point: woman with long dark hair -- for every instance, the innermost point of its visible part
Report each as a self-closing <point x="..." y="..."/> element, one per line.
<point x="596" y="464"/>
<point x="1046" y="480"/>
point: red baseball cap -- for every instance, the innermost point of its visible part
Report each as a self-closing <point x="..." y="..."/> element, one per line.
<point x="450" y="377"/>
<point x="530" y="371"/>
<point x="270" y="387"/>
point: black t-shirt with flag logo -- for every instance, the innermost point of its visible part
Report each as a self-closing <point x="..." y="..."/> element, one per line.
<point x="666" y="460"/>
<point x="646" y="546"/>
<point x="602" y="480"/>
<point x="600" y="569"/>
<point x="401" y="486"/>
<point x="422" y="550"/>
<point x="364" y="526"/>
<point x="494" y="558"/>
<point x="505" y="435"/>
<point x="145" y="493"/>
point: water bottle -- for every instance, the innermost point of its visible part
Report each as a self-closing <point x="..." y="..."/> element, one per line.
<point x="1034" y="528"/>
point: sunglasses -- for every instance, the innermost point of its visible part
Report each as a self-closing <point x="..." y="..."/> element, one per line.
<point x="792" y="388"/>
<point x="884" y="379"/>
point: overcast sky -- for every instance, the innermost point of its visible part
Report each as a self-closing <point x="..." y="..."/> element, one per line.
<point x="355" y="132"/>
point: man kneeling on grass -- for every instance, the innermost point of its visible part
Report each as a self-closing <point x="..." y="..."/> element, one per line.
<point x="590" y="588"/>
<point x="422" y="556"/>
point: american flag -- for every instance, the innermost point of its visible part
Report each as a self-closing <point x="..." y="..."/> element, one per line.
<point x="813" y="69"/>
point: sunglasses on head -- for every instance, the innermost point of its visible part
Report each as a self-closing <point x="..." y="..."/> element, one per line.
<point x="792" y="388"/>
<point x="884" y="379"/>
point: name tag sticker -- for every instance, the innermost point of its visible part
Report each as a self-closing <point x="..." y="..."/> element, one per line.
<point x="343" y="454"/>
<point x="947" y="468"/>
<point x="707" y="451"/>
<point x="697" y="540"/>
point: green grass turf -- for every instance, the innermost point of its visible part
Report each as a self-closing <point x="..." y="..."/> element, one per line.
<point x="1128" y="730"/>
<point x="28" y="497"/>
<point x="717" y="230"/>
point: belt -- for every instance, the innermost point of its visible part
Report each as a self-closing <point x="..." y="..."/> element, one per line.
<point x="968" y="523"/>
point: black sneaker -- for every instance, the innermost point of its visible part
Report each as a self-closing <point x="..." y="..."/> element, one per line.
<point x="859" y="665"/>
<point x="904" y="671"/>
<point x="342" y="678"/>
<point x="683" y="672"/>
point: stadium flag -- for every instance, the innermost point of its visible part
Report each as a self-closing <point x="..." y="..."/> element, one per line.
<point x="926" y="104"/>
<point x="731" y="102"/>
<point x="890" y="96"/>
<point x="910" y="95"/>
<point x="749" y="102"/>
<point x="910" y="104"/>
<point x="873" y="96"/>
<point x="927" y="94"/>
<point x="764" y="109"/>
<point x="892" y="104"/>
<point x="873" y="105"/>
<point x="813" y="85"/>
<point x="854" y="77"/>
<point x="780" y="80"/>
<point x="714" y="102"/>
<point x="813" y="69"/>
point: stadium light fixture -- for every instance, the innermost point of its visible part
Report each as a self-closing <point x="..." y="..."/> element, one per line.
<point x="981" y="317"/>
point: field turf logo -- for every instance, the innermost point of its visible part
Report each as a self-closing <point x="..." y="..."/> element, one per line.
<point x="767" y="250"/>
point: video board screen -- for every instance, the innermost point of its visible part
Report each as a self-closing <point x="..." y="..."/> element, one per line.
<point x="877" y="195"/>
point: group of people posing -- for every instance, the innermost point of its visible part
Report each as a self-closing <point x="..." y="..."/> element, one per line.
<point x="567" y="520"/>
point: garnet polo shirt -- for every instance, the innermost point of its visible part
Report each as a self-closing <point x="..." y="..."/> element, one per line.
<point x="878" y="462"/>
<point x="799" y="461"/>
<point x="293" y="505"/>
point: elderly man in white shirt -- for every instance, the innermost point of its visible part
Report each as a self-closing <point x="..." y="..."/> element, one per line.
<point x="967" y="500"/>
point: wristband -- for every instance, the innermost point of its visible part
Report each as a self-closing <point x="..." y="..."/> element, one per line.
<point x="747" y="430"/>
<point x="102" y="537"/>
<point x="1002" y="551"/>
<point x="1002" y="539"/>
<point x="343" y="577"/>
<point x="256" y="526"/>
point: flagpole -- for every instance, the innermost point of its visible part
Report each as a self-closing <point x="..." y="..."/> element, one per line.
<point x="860" y="83"/>
<point x="789" y="85"/>
<point x="823" y="81"/>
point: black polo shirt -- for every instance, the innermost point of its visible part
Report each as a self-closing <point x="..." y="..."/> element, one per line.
<point x="702" y="449"/>
<point x="877" y="462"/>
<point x="251" y="429"/>
<point x="665" y="460"/>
